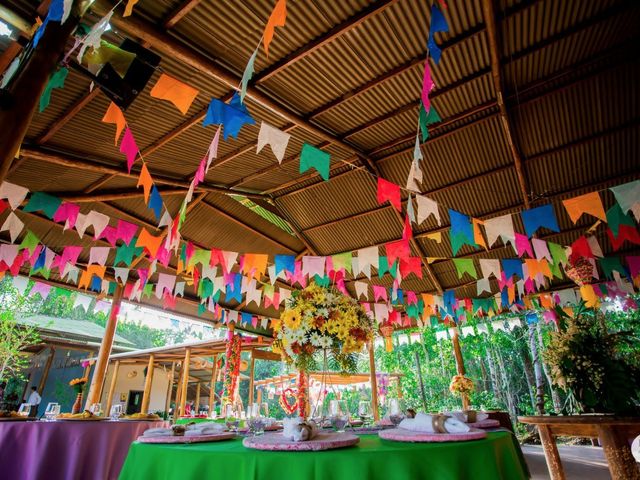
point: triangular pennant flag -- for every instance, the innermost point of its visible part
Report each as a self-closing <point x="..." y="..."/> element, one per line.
<point x="14" y="225"/>
<point x="115" y="115"/>
<point x="483" y="285"/>
<point x="129" y="147"/>
<point x="500" y="227"/>
<point x="213" y="149"/>
<point x="427" y="207"/>
<point x="174" y="91"/>
<point x="145" y="181"/>
<point x="248" y="73"/>
<point x="98" y="255"/>
<point x="128" y="9"/>
<point x="232" y="117"/>
<point x="312" y="157"/>
<point x="627" y="195"/>
<point x="277" y="18"/>
<point x="465" y="265"/>
<point x="477" y="233"/>
<point x="541" y="249"/>
<point x="427" y="86"/>
<point x="438" y="24"/>
<point x="93" y="38"/>
<point x="43" y="202"/>
<point x="155" y="202"/>
<point x="490" y="267"/>
<point x="277" y="139"/>
<point x="590" y="203"/>
<point x="389" y="191"/>
<point x="56" y="81"/>
<point x="616" y="217"/>
<point x="461" y="231"/>
<point x="535" y="218"/>
<point x="14" y="194"/>
<point x="361" y="290"/>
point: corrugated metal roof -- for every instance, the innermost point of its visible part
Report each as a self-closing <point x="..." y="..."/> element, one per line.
<point x="570" y="79"/>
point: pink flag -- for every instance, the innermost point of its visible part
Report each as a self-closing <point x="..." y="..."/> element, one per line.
<point x="379" y="293"/>
<point x="129" y="148"/>
<point x="125" y="231"/>
<point x="427" y="86"/>
<point x="523" y="246"/>
<point x="68" y="213"/>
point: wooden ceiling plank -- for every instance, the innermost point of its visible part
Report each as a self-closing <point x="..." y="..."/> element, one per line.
<point x="183" y="9"/>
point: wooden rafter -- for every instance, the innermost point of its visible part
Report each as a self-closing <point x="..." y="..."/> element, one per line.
<point x="116" y="195"/>
<point x="90" y="166"/>
<point x="183" y="9"/>
<point x="67" y="116"/>
<point x="498" y="83"/>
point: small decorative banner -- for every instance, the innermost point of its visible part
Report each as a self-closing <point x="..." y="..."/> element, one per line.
<point x="312" y="157"/>
<point x="174" y="91"/>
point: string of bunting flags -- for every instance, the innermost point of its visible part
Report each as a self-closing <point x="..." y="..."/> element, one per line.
<point x="214" y="272"/>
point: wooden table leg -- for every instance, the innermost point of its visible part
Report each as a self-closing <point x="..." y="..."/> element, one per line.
<point x="618" y="453"/>
<point x="551" y="453"/>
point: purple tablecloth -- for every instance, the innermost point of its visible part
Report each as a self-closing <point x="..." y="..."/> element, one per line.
<point x="66" y="450"/>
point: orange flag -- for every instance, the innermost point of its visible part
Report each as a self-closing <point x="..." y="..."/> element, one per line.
<point x="128" y="10"/>
<point x="277" y="19"/>
<point x="145" y="181"/>
<point x="589" y="203"/>
<point x="477" y="233"/>
<point x="148" y="241"/>
<point x="115" y="115"/>
<point x="175" y="91"/>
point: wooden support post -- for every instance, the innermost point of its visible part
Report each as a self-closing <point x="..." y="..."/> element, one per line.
<point x="112" y="387"/>
<point x="148" y="382"/>
<point x="105" y="349"/>
<point x="196" y="405"/>
<point x="27" y="87"/>
<point x="459" y="364"/>
<point x="259" y="400"/>
<point x="251" y="379"/>
<point x="185" y="380"/>
<point x="167" y="402"/>
<point x="212" y="385"/>
<point x="47" y="367"/>
<point x="176" y="413"/>
<point x="399" y="386"/>
<point x="374" y="383"/>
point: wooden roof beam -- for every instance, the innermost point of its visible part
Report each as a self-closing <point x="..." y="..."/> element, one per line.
<point x="90" y="166"/>
<point x="183" y="9"/>
<point x="498" y="83"/>
<point x="115" y="195"/>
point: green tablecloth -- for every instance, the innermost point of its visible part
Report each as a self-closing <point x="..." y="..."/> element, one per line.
<point x="184" y="421"/>
<point x="495" y="458"/>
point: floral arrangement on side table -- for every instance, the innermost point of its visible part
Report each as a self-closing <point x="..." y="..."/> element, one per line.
<point x="590" y="364"/>
<point x="321" y="320"/>
<point x="461" y="385"/>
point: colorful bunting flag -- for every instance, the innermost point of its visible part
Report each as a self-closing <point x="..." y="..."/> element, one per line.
<point x="14" y="194"/>
<point x="465" y="265"/>
<point x="129" y="147"/>
<point x="427" y="86"/>
<point x="438" y="24"/>
<point x="461" y="232"/>
<point x="115" y="115"/>
<point x="43" y="202"/>
<point x="232" y="117"/>
<point x="277" y="139"/>
<point x="312" y="157"/>
<point x="389" y="191"/>
<point x="590" y="203"/>
<point x="539" y="217"/>
<point x="277" y="18"/>
<point x="174" y="91"/>
<point x="128" y="9"/>
<point x="56" y="81"/>
<point x="500" y="227"/>
<point x="248" y="73"/>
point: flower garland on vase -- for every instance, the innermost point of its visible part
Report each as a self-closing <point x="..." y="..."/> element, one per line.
<point x="316" y="320"/>
<point x="231" y="368"/>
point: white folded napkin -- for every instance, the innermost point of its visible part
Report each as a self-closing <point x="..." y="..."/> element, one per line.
<point x="207" y="428"/>
<point x="297" y="430"/>
<point x="464" y="416"/>
<point x="157" y="432"/>
<point x="425" y="423"/>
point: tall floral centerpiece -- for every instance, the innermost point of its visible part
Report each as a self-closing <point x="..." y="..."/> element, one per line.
<point x="463" y="387"/>
<point x="320" y="321"/>
<point x="78" y="386"/>
<point x="231" y="368"/>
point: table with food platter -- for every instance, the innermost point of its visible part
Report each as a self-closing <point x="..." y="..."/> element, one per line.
<point x="429" y="446"/>
<point x="73" y="446"/>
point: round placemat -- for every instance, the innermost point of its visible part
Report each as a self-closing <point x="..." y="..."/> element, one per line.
<point x="216" y="437"/>
<point x="402" y="435"/>
<point x="323" y="441"/>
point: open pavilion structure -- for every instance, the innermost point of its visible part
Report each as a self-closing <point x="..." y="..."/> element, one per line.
<point x="536" y="103"/>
